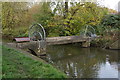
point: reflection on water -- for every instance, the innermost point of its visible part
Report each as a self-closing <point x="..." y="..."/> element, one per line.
<point x="84" y="62"/>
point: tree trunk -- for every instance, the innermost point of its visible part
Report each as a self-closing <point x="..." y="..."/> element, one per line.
<point x="66" y="10"/>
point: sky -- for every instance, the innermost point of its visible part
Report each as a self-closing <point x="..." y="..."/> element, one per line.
<point x="112" y="4"/>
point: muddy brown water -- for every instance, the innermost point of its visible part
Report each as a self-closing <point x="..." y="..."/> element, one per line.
<point x="84" y="62"/>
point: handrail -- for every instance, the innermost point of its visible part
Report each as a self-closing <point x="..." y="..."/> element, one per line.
<point x="43" y="31"/>
<point x="40" y="35"/>
<point x="42" y="28"/>
<point x="88" y="26"/>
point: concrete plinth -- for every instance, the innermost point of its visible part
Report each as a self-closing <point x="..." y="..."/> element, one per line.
<point x="86" y="44"/>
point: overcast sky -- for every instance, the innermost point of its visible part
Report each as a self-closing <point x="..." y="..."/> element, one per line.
<point x="113" y="4"/>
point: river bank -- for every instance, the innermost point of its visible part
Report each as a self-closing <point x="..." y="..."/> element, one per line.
<point x="16" y="64"/>
<point x="110" y="40"/>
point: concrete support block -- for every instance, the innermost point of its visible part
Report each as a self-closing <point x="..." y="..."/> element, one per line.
<point x="86" y="44"/>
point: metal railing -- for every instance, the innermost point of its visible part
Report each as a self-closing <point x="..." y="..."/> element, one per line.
<point x="37" y="33"/>
<point x="88" y="31"/>
<point x="37" y="29"/>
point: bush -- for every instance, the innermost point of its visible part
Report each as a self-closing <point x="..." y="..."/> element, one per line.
<point x="111" y="20"/>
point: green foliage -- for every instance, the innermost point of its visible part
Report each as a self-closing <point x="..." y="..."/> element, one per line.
<point x="87" y="14"/>
<point x="44" y="15"/>
<point x="78" y="16"/>
<point x="109" y="25"/>
<point x="0" y="61"/>
<point x="17" y="17"/>
<point x="14" y="17"/>
<point x="111" y="20"/>
<point x="108" y="29"/>
<point x="102" y="42"/>
<point x="18" y="65"/>
<point x="81" y="15"/>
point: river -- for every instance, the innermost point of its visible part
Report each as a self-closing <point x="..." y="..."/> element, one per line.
<point x="84" y="62"/>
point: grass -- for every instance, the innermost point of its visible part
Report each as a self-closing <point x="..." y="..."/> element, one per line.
<point x="0" y="62"/>
<point x="16" y="64"/>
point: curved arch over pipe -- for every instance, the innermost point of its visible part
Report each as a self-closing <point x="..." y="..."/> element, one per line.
<point x="42" y="28"/>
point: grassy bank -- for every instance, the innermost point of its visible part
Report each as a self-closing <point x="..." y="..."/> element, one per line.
<point x="17" y="65"/>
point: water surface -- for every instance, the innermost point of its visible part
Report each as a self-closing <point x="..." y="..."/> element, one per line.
<point x="84" y="62"/>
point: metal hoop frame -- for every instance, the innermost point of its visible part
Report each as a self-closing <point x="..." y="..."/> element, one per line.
<point x="44" y="34"/>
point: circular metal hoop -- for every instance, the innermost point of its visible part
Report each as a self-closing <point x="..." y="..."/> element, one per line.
<point x="37" y="32"/>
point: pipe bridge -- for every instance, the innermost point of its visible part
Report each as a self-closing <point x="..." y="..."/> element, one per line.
<point x="37" y="40"/>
